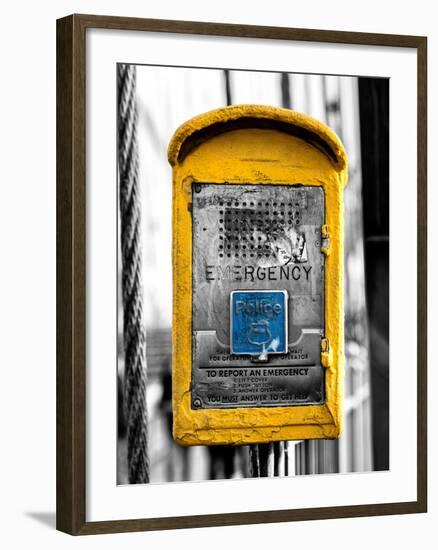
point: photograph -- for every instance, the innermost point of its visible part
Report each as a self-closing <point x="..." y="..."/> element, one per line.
<point x="223" y="280"/>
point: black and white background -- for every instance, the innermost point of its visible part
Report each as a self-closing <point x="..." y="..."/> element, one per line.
<point x="357" y="109"/>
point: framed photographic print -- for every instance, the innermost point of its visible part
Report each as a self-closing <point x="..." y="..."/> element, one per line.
<point x="241" y="274"/>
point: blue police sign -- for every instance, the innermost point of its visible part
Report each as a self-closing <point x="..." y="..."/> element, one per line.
<point x="258" y="321"/>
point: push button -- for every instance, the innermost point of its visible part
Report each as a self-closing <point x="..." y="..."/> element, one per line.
<point x="258" y="321"/>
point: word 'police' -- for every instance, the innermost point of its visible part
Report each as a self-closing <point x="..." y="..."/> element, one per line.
<point x="257" y="307"/>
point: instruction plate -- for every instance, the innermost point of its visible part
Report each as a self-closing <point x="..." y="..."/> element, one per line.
<point x="258" y="295"/>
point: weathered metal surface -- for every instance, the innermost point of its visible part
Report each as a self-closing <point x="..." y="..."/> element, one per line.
<point x="257" y="238"/>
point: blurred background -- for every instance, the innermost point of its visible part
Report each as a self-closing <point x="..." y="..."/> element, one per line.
<point x="357" y="109"/>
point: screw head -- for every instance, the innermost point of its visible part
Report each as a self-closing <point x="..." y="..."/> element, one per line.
<point x="196" y="402"/>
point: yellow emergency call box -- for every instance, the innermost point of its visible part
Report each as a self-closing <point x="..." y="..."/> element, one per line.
<point x="257" y="340"/>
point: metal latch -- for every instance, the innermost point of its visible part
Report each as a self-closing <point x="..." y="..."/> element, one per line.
<point x="325" y="240"/>
<point x="326" y="358"/>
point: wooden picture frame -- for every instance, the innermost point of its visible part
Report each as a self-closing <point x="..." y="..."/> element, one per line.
<point x="71" y="272"/>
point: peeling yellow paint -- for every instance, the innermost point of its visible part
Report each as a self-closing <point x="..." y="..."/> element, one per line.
<point x="258" y="145"/>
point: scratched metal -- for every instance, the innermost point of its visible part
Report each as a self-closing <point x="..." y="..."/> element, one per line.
<point x="257" y="237"/>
